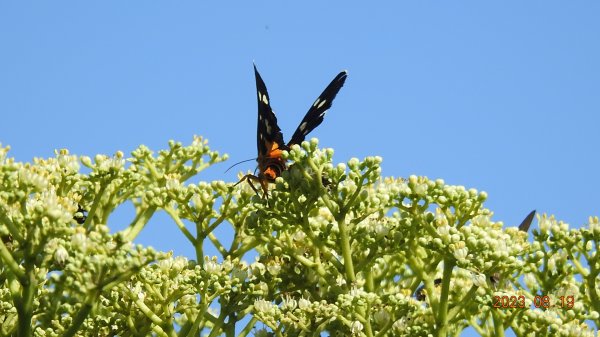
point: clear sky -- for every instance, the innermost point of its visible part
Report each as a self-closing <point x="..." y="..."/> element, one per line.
<point x="499" y="96"/>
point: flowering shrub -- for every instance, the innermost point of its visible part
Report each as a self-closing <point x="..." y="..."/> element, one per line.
<point x="341" y="251"/>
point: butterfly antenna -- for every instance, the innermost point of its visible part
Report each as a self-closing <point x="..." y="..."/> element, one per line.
<point x="239" y="162"/>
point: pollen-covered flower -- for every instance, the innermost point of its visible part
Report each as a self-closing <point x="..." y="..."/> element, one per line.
<point x="29" y="177"/>
<point x="444" y="233"/>
<point x="257" y="268"/>
<point x="289" y="303"/>
<point x="400" y="324"/>
<point x="303" y="303"/>
<point x="67" y="162"/>
<point x="79" y="241"/>
<point x="240" y="271"/>
<point x="173" y="182"/>
<point x="440" y="218"/>
<point x="356" y="328"/>
<point x="461" y="254"/>
<point x="273" y="267"/>
<point x="381" y="317"/>
<point x="211" y="265"/>
<point x="61" y="255"/>
<point x="263" y="306"/>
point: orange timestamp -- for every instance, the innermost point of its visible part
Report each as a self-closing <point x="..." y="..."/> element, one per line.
<point x="506" y="302"/>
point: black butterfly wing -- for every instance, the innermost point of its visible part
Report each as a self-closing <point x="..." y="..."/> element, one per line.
<point x="268" y="133"/>
<point x="524" y="226"/>
<point x="317" y="111"/>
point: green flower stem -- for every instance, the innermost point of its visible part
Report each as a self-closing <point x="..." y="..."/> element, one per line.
<point x="591" y="282"/>
<point x="384" y="330"/>
<point x="498" y="323"/>
<point x="475" y="325"/>
<point x="159" y="331"/>
<point x="373" y="254"/>
<point x="466" y="300"/>
<point x="157" y="321"/>
<point x="416" y="265"/>
<point x="7" y="259"/>
<point x="203" y="311"/>
<point x="369" y="284"/>
<point x="83" y="312"/>
<point x="249" y="244"/>
<point x="152" y="290"/>
<point x="217" y="327"/>
<point x="442" y="314"/>
<point x="196" y="169"/>
<point x="335" y="262"/>
<point x="173" y="214"/>
<point x="513" y="315"/>
<point x="120" y="276"/>
<point x="344" y="320"/>
<point x="469" y="215"/>
<point x="12" y="228"/>
<point x="169" y="158"/>
<point x="23" y="295"/>
<point x="154" y="175"/>
<point x="328" y="203"/>
<point x="131" y="325"/>
<point x="94" y="208"/>
<point x="167" y="312"/>
<point x="198" y="322"/>
<point x="360" y="184"/>
<point x="221" y="218"/>
<point x="323" y="324"/>
<point x="141" y="219"/>
<point x="237" y="237"/>
<point x="198" y="247"/>
<point x="298" y="322"/>
<point x="345" y="245"/>
<point x="318" y="268"/>
<point x="580" y="269"/>
<point x="248" y="328"/>
<point x="215" y="241"/>
<point x="368" y="328"/>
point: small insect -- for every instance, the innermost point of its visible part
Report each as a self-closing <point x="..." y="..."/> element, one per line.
<point x="7" y="239"/>
<point x="420" y="293"/>
<point x="81" y="215"/>
<point x="269" y="137"/>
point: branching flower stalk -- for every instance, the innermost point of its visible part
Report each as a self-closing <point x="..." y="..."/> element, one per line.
<point x="336" y="249"/>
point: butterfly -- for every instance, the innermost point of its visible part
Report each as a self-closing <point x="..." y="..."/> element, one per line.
<point x="524" y="226"/>
<point x="269" y="139"/>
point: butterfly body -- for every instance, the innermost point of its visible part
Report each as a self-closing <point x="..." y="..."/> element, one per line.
<point x="269" y="138"/>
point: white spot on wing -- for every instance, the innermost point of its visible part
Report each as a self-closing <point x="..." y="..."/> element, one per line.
<point x="316" y="102"/>
<point x="265" y="100"/>
<point x="322" y="103"/>
<point x="268" y="127"/>
<point x="323" y="113"/>
<point x="302" y="127"/>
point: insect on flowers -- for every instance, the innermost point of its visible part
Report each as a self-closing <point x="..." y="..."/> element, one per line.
<point x="269" y="137"/>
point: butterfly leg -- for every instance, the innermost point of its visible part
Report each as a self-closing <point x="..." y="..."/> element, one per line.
<point x="263" y="184"/>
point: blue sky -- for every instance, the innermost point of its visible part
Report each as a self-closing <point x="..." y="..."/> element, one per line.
<point x="499" y="96"/>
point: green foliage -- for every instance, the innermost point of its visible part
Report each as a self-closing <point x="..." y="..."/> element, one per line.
<point x="341" y="251"/>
